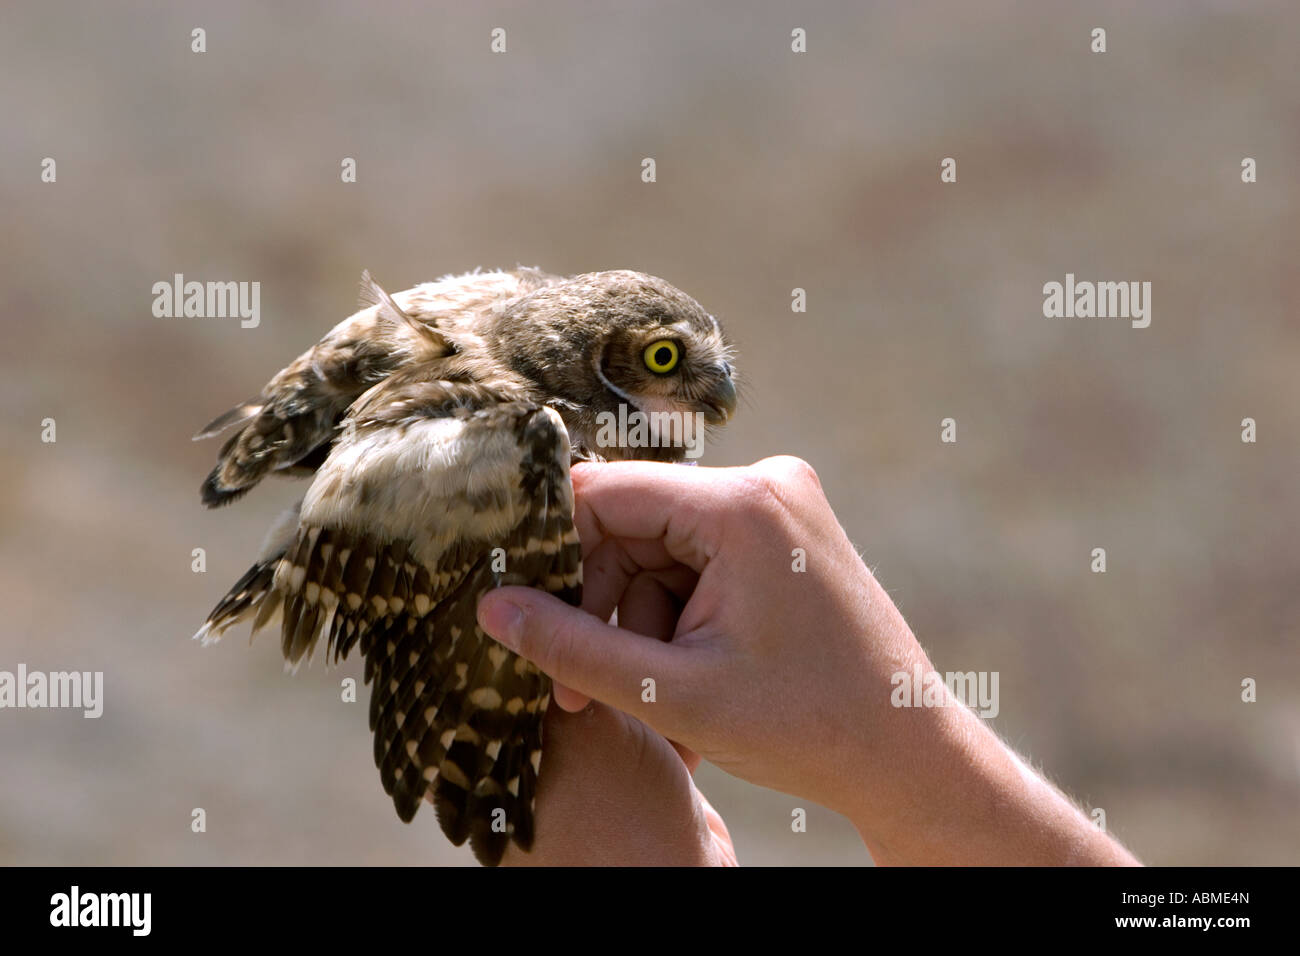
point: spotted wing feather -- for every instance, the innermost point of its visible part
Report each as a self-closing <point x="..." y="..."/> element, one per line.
<point x="436" y="492"/>
<point x="289" y="426"/>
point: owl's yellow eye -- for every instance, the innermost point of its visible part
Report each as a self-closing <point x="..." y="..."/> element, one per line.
<point x="661" y="357"/>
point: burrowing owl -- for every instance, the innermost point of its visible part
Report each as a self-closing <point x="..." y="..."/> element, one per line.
<point x="438" y="425"/>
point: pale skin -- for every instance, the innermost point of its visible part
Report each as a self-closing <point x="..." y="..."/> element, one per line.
<point x="779" y="677"/>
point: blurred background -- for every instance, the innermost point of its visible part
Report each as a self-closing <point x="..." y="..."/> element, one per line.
<point x="776" y="170"/>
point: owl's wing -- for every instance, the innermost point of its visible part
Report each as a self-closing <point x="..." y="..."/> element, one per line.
<point x="435" y="493"/>
<point x="289" y="425"/>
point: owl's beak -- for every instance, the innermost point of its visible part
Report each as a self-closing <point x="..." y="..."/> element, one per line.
<point x="720" y="400"/>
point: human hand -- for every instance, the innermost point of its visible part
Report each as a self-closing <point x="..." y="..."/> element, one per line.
<point x="778" y="675"/>
<point x="613" y="792"/>
<point x="768" y="667"/>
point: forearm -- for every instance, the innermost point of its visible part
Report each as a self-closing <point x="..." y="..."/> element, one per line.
<point x="977" y="803"/>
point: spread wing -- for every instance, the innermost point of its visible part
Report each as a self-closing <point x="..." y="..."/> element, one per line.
<point x="289" y="425"/>
<point x="435" y="492"/>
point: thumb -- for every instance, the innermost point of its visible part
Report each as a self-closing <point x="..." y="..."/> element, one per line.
<point x="580" y="650"/>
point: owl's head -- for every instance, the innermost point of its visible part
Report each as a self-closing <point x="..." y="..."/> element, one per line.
<point x="621" y="348"/>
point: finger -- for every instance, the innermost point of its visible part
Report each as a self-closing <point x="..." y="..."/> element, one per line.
<point x="606" y="573"/>
<point x="568" y="699"/>
<point x="648" y="608"/>
<point x="648" y="604"/>
<point x="718" y="827"/>
<point x="612" y="565"/>
<point x="583" y="652"/>
<point x="652" y="500"/>
<point x="689" y="756"/>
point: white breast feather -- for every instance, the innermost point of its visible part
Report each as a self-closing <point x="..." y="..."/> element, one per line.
<point x="434" y="482"/>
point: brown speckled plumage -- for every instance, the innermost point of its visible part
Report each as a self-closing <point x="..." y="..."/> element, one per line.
<point x="438" y="426"/>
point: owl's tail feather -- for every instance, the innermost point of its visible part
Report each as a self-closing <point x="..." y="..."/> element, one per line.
<point x="270" y="441"/>
<point x="290" y="427"/>
<point x="216" y="488"/>
<point x="241" y="412"/>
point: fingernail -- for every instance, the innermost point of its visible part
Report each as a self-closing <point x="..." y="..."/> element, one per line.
<point x="502" y="619"/>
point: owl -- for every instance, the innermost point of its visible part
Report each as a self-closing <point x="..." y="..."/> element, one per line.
<point x="437" y="426"/>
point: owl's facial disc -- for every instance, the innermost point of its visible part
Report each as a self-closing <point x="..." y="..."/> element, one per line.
<point x="616" y="345"/>
<point x="676" y="368"/>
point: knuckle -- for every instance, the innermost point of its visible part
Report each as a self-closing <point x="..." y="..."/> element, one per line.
<point x="757" y="495"/>
<point x="775" y="489"/>
<point x="792" y="471"/>
<point x="531" y="641"/>
<point x="769" y="484"/>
